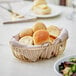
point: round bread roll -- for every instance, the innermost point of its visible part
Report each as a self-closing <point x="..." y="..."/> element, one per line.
<point x="39" y="26"/>
<point x="39" y="2"/>
<point x="53" y="31"/>
<point x="26" y="40"/>
<point x="42" y="9"/>
<point x="40" y="37"/>
<point x="51" y="39"/>
<point x="26" y="32"/>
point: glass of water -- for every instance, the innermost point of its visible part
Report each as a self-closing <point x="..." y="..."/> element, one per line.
<point x="72" y="16"/>
<point x="74" y="8"/>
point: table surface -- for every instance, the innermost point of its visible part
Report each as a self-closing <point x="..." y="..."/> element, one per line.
<point x="10" y="66"/>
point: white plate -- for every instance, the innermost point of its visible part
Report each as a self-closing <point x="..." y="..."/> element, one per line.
<point x="56" y="10"/>
<point x="56" y="65"/>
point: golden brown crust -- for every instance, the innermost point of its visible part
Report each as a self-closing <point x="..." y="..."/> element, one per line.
<point x="51" y="39"/>
<point x="39" y="26"/>
<point x="26" y="40"/>
<point x="40" y="36"/>
<point x="26" y="32"/>
<point x="53" y="31"/>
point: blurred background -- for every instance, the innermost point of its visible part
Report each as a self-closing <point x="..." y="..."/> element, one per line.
<point x="20" y="5"/>
<point x="57" y="2"/>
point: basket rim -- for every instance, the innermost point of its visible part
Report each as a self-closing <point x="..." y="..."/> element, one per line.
<point x="15" y="38"/>
<point x="16" y="43"/>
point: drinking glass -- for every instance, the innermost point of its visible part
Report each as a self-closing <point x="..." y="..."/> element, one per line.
<point x="72" y="16"/>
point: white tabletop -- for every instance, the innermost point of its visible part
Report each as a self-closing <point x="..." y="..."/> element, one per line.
<point x="10" y="66"/>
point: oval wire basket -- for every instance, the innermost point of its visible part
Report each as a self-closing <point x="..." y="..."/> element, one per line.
<point x="37" y="52"/>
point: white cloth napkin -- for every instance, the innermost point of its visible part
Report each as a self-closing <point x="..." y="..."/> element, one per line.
<point x="63" y="36"/>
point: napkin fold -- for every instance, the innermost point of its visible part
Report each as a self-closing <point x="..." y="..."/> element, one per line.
<point x="63" y="36"/>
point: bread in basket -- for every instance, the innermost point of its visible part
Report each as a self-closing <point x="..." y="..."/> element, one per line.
<point x="36" y="52"/>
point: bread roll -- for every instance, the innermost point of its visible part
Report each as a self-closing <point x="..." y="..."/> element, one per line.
<point x="51" y="39"/>
<point x="40" y="37"/>
<point x="42" y="9"/>
<point x="53" y="31"/>
<point x="39" y="2"/>
<point x="39" y="26"/>
<point x="26" y="32"/>
<point x="26" y="40"/>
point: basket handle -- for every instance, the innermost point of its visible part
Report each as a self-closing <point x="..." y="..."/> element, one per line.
<point x="63" y="36"/>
